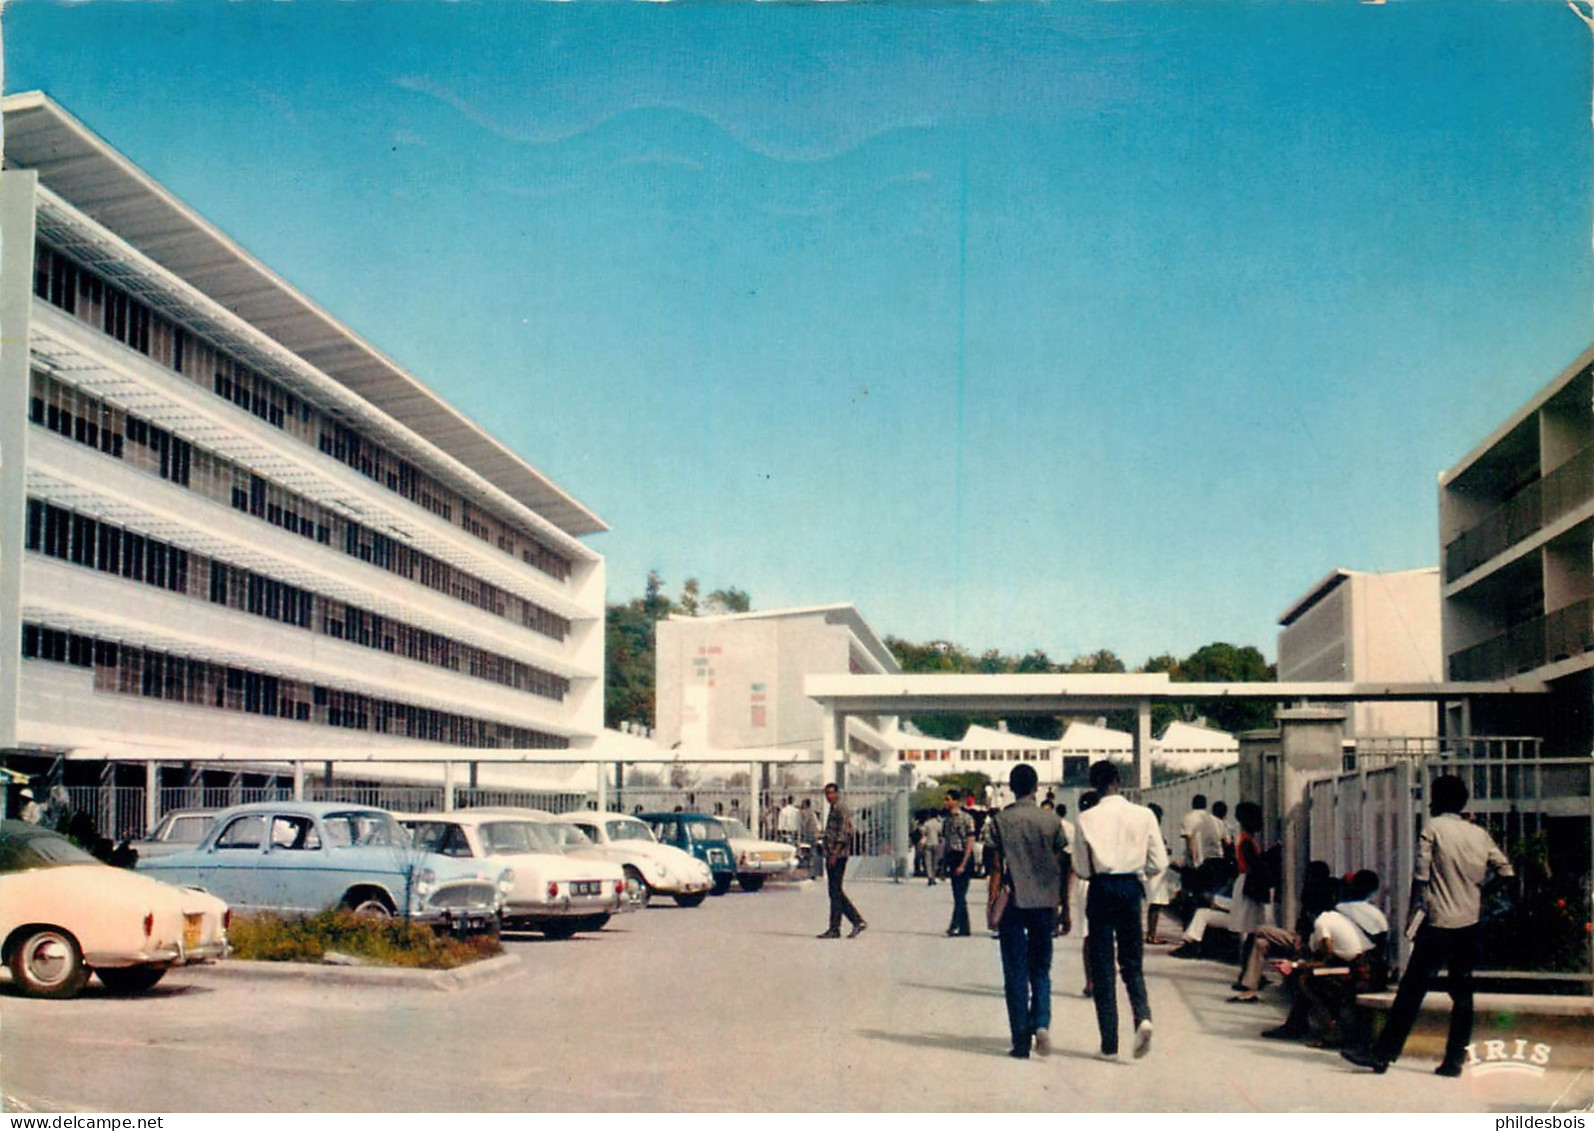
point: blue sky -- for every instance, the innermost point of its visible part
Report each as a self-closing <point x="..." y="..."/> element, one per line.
<point x="1058" y="326"/>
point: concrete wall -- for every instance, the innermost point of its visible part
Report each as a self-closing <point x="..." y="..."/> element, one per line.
<point x="1395" y="637"/>
<point x="728" y="667"/>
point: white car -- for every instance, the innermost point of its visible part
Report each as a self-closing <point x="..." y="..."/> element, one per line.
<point x="178" y="831"/>
<point x="551" y="892"/>
<point x="653" y="868"/>
<point x="756" y="859"/>
<point x="65" y="915"/>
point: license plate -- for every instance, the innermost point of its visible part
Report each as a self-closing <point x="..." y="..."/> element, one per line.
<point x="192" y="928"/>
<point x="587" y="887"/>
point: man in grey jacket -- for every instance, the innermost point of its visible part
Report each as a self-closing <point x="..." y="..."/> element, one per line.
<point x="1032" y="859"/>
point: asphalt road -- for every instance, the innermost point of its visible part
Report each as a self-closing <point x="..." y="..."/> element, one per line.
<point x="733" y="1006"/>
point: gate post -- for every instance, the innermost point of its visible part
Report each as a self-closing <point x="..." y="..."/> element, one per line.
<point x="901" y="823"/>
<point x="1309" y="739"/>
<point x="152" y="792"/>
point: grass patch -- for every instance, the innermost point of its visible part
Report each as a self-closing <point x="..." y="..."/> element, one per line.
<point x="379" y="942"/>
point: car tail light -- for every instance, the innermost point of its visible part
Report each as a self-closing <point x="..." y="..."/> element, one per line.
<point x="226" y="919"/>
<point x="149" y="923"/>
<point x="553" y="890"/>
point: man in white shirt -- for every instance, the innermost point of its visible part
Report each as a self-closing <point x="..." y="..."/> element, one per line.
<point x="789" y="822"/>
<point x="1119" y="843"/>
<point x="1201" y="833"/>
<point x="1347" y="944"/>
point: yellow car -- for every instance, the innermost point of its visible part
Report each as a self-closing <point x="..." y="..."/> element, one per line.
<point x="65" y="915"/>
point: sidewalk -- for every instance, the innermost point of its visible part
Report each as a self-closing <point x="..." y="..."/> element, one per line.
<point x="1207" y="1053"/>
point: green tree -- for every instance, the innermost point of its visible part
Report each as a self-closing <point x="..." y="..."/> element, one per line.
<point x="732" y="600"/>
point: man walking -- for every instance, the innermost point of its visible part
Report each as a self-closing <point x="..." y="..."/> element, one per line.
<point x="1031" y="861"/>
<point x="932" y="846"/>
<point x="1121" y="842"/>
<point x="837" y="844"/>
<point x="1455" y="860"/>
<point x="957" y="830"/>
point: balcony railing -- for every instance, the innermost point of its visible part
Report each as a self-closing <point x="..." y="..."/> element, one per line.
<point x="1534" y="508"/>
<point x="1565" y="633"/>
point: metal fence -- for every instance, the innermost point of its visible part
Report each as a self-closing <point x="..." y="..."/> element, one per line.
<point x="1221" y="783"/>
<point x="1540" y="811"/>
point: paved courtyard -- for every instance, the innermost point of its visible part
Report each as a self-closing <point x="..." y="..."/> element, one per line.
<point x="731" y="1006"/>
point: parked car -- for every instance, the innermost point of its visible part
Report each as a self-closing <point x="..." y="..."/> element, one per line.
<point x="757" y="859"/>
<point x="701" y="835"/>
<point x="552" y="893"/>
<point x="653" y="868"/>
<point x="65" y="915"/>
<point x="178" y="831"/>
<point x="304" y="856"/>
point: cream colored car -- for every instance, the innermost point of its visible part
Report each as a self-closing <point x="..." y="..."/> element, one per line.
<point x="65" y="915"/>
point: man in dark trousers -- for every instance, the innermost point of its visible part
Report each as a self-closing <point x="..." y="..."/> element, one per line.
<point x="1119" y="843"/>
<point x="837" y="844"/>
<point x="1455" y="861"/>
<point x="957" y="833"/>
<point x="1032" y="861"/>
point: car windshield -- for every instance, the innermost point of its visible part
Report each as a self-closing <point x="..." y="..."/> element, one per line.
<point x="362" y="829"/>
<point x="629" y="830"/>
<point x="509" y="838"/>
<point x="735" y="828"/>
<point x="442" y="837"/>
<point x="703" y="829"/>
<point x="570" y="836"/>
<point x="32" y="847"/>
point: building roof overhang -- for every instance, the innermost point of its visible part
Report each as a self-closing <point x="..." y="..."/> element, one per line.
<point x="1068" y="693"/>
<point x="76" y="164"/>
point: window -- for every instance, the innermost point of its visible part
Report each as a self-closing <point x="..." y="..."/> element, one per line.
<point x="294" y="834"/>
<point x="248" y="831"/>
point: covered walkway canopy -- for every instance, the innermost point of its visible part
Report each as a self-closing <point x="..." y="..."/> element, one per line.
<point x="1075" y="694"/>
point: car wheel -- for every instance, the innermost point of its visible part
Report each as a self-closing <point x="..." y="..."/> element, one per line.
<point x="48" y="963"/>
<point x="641" y="894"/>
<point x="750" y="882"/>
<point x="561" y="930"/>
<point x="368" y="906"/>
<point x="690" y="899"/>
<point x="722" y="883"/>
<point x="131" y="979"/>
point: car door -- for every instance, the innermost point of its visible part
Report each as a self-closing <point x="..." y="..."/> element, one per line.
<point x="293" y="864"/>
<point x="232" y="866"/>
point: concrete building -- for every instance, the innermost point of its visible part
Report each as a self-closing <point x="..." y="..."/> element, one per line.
<point x="232" y="529"/>
<point x="736" y="681"/>
<point x="1516" y="531"/>
<point x="1359" y="627"/>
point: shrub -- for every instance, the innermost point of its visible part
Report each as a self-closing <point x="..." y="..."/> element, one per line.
<point x="380" y="942"/>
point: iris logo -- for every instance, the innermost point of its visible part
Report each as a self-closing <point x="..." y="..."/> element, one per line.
<point x="1518" y="1056"/>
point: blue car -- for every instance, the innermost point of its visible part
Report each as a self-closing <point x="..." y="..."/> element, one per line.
<point x="701" y="835"/>
<point x="305" y="856"/>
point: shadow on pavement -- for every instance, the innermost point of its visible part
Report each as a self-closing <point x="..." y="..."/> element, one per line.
<point x="955" y="1042"/>
<point x="973" y="991"/>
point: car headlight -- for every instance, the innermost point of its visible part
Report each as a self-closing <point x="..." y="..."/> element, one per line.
<point x="425" y="881"/>
<point x="506" y="883"/>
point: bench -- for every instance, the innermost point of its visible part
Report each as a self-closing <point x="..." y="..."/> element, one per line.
<point x="1528" y="1005"/>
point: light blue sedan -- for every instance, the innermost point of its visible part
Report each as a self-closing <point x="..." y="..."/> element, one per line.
<point x="305" y="856"/>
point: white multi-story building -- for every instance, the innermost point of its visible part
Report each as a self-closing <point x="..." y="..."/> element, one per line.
<point x="230" y="528"/>
<point x="1360" y="627"/>
<point x="1516" y="527"/>
<point x="736" y="681"/>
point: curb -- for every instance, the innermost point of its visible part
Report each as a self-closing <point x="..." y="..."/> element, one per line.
<point x="477" y="973"/>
